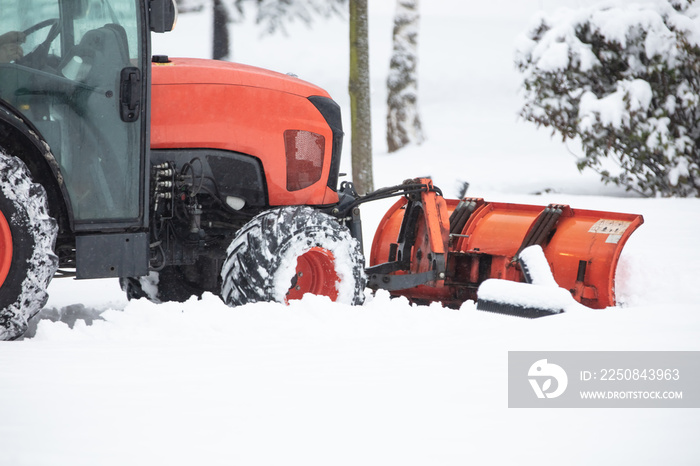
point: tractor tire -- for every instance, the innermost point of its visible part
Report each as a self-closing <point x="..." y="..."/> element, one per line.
<point x="283" y="253"/>
<point x="27" y="239"/>
<point x="160" y="287"/>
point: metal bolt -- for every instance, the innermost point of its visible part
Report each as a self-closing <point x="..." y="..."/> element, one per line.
<point x="297" y="288"/>
<point x="300" y="274"/>
<point x="441" y="275"/>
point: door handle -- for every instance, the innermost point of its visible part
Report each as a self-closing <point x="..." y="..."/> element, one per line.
<point x="130" y="94"/>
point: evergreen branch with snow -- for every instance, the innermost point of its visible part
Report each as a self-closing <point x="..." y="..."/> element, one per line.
<point x="625" y="80"/>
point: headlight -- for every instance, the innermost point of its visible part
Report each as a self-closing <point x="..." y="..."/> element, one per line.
<point x="304" y="152"/>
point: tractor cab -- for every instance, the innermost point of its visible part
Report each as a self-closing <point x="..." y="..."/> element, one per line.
<point x="79" y="75"/>
<point x="80" y="81"/>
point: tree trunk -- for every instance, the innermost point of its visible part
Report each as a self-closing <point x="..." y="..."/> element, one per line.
<point x="361" y="121"/>
<point x="221" y="38"/>
<point x="403" y="125"/>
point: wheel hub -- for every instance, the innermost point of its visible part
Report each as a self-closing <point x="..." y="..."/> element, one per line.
<point x="5" y="248"/>
<point x="315" y="273"/>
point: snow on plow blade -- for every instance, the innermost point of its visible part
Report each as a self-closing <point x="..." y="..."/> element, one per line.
<point x="428" y="248"/>
<point x="522" y="299"/>
<point x="540" y="296"/>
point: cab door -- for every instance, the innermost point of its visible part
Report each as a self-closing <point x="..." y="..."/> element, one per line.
<point x="80" y="80"/>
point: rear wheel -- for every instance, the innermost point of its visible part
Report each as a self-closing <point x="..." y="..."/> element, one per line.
<point x="284" y="253"/>
<point x="27" y="238"/>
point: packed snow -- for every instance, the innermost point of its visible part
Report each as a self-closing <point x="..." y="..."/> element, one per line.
<point x="104" y="381"/>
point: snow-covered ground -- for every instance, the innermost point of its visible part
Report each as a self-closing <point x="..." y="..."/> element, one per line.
<point x="317" y="383"/>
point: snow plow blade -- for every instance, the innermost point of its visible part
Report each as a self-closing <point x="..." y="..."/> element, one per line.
<point x="428" y="248"/>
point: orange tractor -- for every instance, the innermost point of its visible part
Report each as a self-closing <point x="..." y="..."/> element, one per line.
<point x="182" y="176"/>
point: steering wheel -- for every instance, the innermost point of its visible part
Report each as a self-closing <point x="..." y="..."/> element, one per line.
<point x="37" y="57"/>
<point x="40" y="25"/>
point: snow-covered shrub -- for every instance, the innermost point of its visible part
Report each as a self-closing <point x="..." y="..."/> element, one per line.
<point x="625" y="79"/>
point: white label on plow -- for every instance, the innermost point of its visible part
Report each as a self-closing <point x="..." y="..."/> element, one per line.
<point x="609" y="227"/>
<point x="614" y="239"/>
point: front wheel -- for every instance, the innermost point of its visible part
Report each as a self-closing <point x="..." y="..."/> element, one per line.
<point x="284" y="253"/>
<point x="27" y="238"/>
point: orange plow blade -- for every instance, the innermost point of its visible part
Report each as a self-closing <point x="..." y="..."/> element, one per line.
<point x="431" y="249"/>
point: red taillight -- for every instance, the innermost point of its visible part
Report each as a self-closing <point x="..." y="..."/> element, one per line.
<point x="304" y="152"/>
